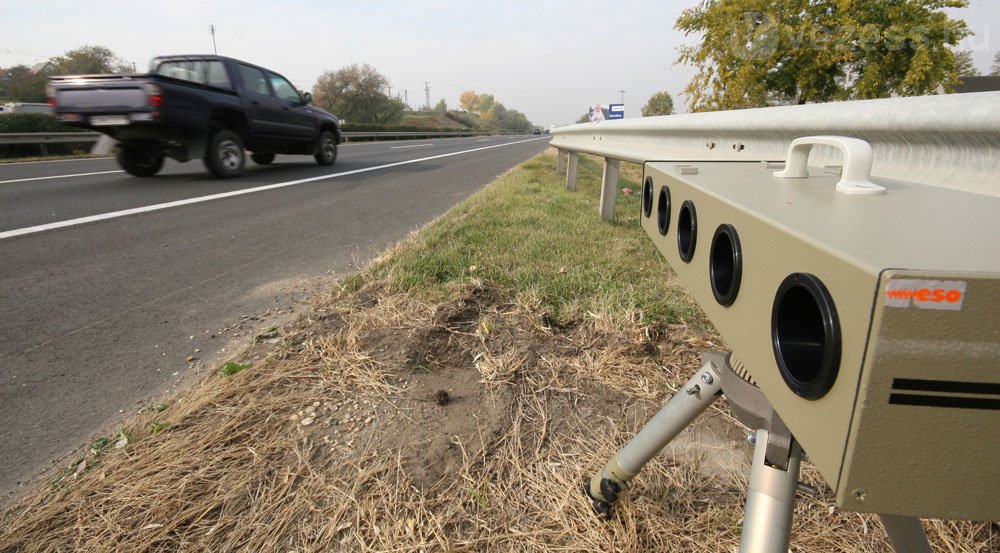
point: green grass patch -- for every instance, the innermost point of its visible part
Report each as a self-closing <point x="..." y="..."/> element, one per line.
<point x="231" y="368"/>
<point x="532" y="239"/>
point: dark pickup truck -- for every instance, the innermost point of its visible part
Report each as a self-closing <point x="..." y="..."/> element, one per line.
<point x="189" y="107"/>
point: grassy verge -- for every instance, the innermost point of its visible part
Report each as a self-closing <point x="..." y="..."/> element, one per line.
<point x="451" y="397"/>
<point x="543" y="245"/>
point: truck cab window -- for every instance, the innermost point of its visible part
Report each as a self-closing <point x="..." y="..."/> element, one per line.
<point x="193" y="71"/>
<point x="217" y="75"/>
<point x="284" y="89"/>
<point x="254" y="80"/>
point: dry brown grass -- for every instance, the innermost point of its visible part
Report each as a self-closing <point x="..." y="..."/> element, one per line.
<point x="238" y="471"/>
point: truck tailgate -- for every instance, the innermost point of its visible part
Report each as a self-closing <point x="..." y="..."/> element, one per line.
<point x="117" y="99"/>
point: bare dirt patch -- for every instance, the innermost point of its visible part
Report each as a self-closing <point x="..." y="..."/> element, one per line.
<point x="376" y="422"/>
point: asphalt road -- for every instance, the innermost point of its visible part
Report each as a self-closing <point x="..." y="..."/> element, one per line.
<point x="109" y="283"/>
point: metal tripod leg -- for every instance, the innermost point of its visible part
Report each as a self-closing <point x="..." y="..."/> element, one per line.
<point x="906" y="534"/>
<point x="699" y="392"/>
<point x="767" y="518"/>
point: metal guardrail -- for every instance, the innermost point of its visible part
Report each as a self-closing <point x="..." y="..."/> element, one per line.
<point x="951" y="141"/>
<point x="102" y="147"/>
<point x="49" y="137"/>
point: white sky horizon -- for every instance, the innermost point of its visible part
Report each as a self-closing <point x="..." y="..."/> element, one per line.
<point x="548" y="59"/>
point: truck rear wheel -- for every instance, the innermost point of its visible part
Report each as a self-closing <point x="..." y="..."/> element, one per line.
<point x="225" y="156"/>
<point x="139" y="163"/>
<point x="327" y="153"/>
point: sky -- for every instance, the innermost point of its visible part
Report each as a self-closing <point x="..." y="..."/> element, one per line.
<point x="549" y="59"/>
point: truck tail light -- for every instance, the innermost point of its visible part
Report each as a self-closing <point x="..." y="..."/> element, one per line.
<point x="154" y="94"/>
<point x="50" y="95"/>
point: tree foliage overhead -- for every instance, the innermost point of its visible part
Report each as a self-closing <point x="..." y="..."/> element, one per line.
<point x="660" y="103"/>
<point x="356" y="93"/>
<point x="759" y="52"/>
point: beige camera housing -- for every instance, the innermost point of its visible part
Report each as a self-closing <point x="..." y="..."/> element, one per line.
<point x="870" y="320"/>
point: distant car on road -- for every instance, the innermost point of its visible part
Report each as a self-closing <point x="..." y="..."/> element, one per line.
<point x="197" y="107"/>
<point x="536" y="131"/>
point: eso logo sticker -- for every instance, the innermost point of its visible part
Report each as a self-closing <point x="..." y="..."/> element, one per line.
<point x="945" y="295"/>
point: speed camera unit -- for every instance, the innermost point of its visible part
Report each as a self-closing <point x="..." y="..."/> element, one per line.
<point x="867" y="311"/>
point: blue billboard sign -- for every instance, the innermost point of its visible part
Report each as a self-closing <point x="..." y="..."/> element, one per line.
<point x="616" y="111"/>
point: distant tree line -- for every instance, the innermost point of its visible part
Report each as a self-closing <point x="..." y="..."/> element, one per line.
<point x="20" y="84"/>
<point x="493" y="113"/>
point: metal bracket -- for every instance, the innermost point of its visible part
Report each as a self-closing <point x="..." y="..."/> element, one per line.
<point x="752" y="408"/>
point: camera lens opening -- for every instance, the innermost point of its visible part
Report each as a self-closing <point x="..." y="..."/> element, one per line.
<point x="663" y="211"/>
<point x="647" y="196"/>
<point x="687" y="231"/>
<point x="725" y="265"/>
<point x="805" y="333"/>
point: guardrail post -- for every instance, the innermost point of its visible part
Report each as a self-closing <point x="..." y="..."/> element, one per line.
<point x="571" y="171"/>
<point x="609" y="188"/>
<point x="560" y="162"/>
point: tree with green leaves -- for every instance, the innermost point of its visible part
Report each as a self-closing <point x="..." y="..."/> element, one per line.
<point x="758" y="52"/>
<point x="356" y="94"/>
<point x="995" y="71"/>
<point x="21" y="85"/>
<point x="486" y="103"/>
<point x="660" y="103"/>
<point x="89" y="60"/>
<point x="964" y="66"/>
<point x="441" y="106"/>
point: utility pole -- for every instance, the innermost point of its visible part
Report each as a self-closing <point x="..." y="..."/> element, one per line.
<point x="623" y="95"/>
<point x="427" y="92"/>
<point x="212" y="29"/>
<point x="406" y="97"/>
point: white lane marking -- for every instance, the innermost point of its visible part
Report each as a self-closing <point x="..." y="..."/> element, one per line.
<point x="412" y="146"/>
<point x="61" y="176"/>
<point x="484" y="140"/>
<point x="189" y="201"/>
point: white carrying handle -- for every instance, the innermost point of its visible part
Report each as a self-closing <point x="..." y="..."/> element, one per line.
<point x="856" y="176"/>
